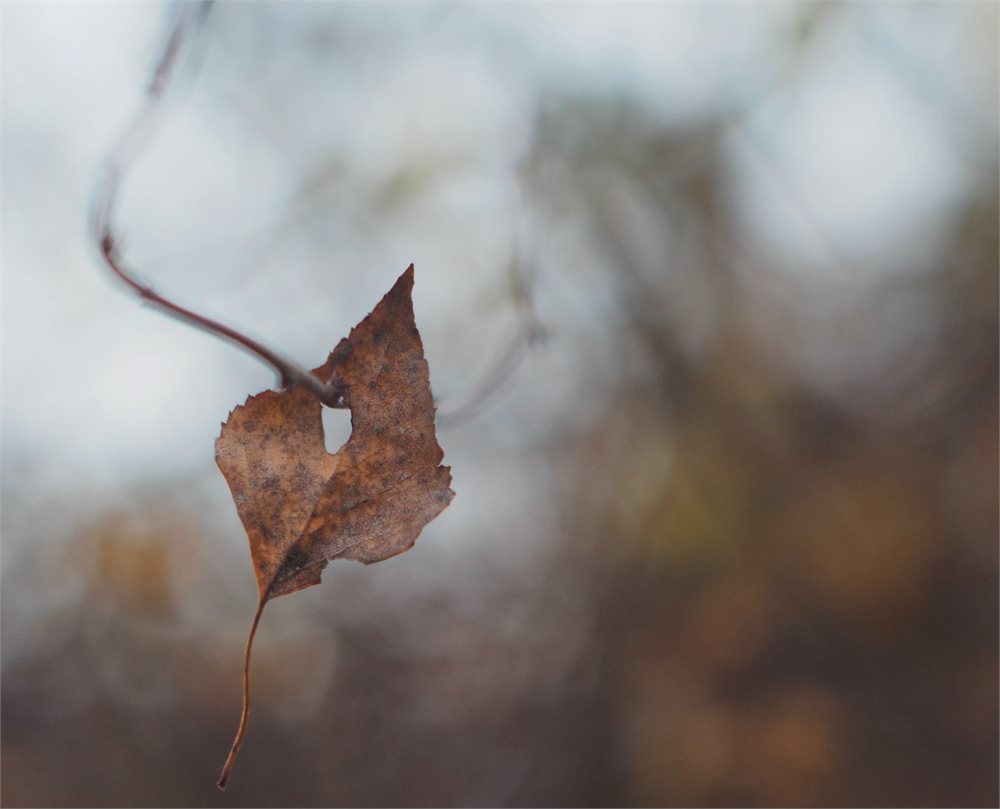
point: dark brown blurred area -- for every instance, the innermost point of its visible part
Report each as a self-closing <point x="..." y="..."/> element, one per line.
<point x="749" y="559"/>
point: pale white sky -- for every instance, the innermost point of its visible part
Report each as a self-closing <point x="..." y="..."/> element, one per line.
<point x="96" y="388"/>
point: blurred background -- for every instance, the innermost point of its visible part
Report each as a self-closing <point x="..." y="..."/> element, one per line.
<point x="709" y="295"/>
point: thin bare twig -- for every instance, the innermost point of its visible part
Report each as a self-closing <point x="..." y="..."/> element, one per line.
<point x="529" y="332"/>
<point x="190" y="17"/>
<point x="524" y="269"/>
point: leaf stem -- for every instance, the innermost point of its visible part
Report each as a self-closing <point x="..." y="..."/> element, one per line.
<point x="245" y="712"/>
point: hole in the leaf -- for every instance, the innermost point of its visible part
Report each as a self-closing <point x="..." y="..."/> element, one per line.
<point x="336" y="428"/>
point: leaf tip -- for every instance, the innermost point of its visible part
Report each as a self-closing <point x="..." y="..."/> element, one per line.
<point x="405" y="280"/>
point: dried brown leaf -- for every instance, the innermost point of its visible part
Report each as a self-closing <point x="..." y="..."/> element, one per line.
<point x="303" y="507"/>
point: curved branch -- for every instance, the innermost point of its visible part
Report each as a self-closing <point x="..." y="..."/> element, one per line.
<point x="137" y="134"/>
<point x="529" y="333"/>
